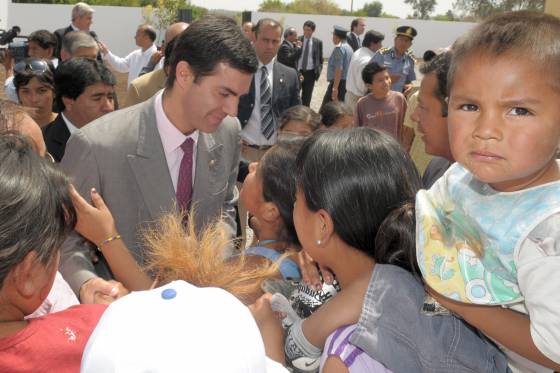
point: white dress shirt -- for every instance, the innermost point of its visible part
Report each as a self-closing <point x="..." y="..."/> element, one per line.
<point x="309" y="65"/>
<point x="172" y="139"/>
<point x="71" y="127"/>
<point x="252" y="133"/>
<point x="354" y="82"/>
<point x="132" y="63"/>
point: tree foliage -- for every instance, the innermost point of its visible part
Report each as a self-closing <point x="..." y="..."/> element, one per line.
<point x="486" y="8"/>
<point x="373" y="9"/>
<point x="422" y="8"/>
<point x="301" y="6"/>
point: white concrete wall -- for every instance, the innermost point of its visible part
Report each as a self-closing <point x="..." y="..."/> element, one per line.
<point x="114" y="25"/>
<point x="431" y="34"/>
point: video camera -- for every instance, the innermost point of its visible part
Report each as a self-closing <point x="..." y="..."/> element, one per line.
<point x="18" y="49"/>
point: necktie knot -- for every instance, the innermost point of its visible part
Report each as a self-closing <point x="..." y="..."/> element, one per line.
<point x="187" y="145"/>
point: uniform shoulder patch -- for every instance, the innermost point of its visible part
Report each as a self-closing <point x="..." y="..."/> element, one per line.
<point x="384" y="50"/>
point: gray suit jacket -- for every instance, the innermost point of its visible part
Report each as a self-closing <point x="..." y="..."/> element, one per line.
<point x="121" y="155"/>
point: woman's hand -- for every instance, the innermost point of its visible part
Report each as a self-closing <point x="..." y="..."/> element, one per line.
<point x="95" y="222"/>
<point x="310" y="274"/>
<point x="270" y="328"/>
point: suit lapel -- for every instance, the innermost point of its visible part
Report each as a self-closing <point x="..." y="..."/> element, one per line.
<point x="278" y="84"/>
<point x="149" y="165"/>
<point x="61" y="134"/>
<point x="208" y="159"/>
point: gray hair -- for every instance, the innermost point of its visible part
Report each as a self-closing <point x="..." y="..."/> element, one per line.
<point x="74" y="40"/>
<point x="80" y="10"/>
<point x="289" y="32"/>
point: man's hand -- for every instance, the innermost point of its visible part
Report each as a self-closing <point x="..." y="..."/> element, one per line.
<point x="155" y="58"/>
<point x="100" y="291"/>
<point x="103" y="47"/>
<point x="334" y="95"/>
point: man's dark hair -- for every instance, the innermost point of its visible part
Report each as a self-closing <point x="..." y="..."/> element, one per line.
<point x="428" y="55"/>
<point x="209" y="41"/>
<point x="333" y="111"/>
<point x="44" y="38"/>
<point x="370" y="70"/>
<point x="310" y="24"/>
<point x="73" y="76"/>
<point x="267" y="22"/>
<point x="372" y="37"/>
<point x="46" y="77"/>
<point x="167" y="52"/>
<point x="354" y="23"/>
<point x="440" y="66"/>
<point x="151" y="32"/>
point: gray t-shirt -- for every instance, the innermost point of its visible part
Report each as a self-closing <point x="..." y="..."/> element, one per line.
<point x="386" y="114"/>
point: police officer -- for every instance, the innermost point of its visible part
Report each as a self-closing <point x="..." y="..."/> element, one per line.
<point x="399" y="60"/>
<point x="337" y="68"/>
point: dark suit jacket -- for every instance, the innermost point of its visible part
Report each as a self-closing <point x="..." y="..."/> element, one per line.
<point x="60" y="35"/>
<point x="56" y="135"/>
<point x="316" y="52"/>
<point x="352" y="41"/>
<point x="288" y="54"/>
<point x="285" y="93"/>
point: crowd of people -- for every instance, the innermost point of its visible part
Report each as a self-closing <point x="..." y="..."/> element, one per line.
<point x="407" y="226"/>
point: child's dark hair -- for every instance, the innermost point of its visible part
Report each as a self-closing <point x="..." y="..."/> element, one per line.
<point x="333" y="111"/>
<point x="277" y="168"/>
<point x="360" y="176"/>
<point x="45" y="77"/>
<point x="531" y="34"/>
<point x="301" y="113"/>
<point x="36" y="212"/>
<point x="370" y="70"/>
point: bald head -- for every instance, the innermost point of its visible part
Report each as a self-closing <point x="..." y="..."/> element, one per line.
<point x="174" y="30"/>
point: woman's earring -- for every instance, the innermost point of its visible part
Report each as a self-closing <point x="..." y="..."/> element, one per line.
<point x="318" y="242"/>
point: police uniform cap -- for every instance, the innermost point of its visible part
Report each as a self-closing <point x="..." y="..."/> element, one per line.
<point x="407" y="31"/>
<point x="340" y="31"/>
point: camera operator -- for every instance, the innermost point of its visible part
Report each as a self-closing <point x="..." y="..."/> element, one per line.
<point x="40" y="44"/>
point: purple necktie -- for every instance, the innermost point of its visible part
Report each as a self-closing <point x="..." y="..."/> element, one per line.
<point x="184" y="182"/>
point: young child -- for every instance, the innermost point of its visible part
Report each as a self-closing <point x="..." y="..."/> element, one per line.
<point x="336" y="114"/>
<point x="498" y="207"/>
<point x="382" y="108"/>
<point x="299" y="120"/>
<point x="36" y="215"/>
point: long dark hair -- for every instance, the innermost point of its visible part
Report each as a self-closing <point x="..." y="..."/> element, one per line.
<point x="367" y="182"/>
<point x="36" y="211"/>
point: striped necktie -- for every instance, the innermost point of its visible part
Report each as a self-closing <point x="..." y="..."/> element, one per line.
<point x="267" y="121"/>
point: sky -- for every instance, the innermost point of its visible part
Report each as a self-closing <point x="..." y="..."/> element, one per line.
<point x="395" y="7"/>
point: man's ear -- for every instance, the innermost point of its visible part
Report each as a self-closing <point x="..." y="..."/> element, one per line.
<point x="184" y="76"/>
<point x="68" y="103"/>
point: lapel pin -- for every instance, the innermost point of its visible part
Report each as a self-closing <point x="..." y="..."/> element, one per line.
<point x="212" y="162"/>
<point x="281" y="80"/>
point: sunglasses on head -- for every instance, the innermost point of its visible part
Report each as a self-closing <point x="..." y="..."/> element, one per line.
<point x="38" y="66"/>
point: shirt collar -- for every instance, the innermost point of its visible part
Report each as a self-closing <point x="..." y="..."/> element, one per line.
<point x="171" y="137"/>
<point x="74" y="27"/>
<point x="150" y="50"/>
<point x="71" y="127"/>
<point x="268" y="65"/>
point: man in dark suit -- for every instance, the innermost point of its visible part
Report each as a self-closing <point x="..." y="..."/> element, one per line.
<point x="84" y="92"/>
<point x="310" y="61"/>
<point x="274" y="88"/>
<point x="179" y="149"/>
<point x="357" y="28"/>
<point x="290" y="48"/>
<point x="82" y="18"/>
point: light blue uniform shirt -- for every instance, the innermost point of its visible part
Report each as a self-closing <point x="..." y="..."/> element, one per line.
<point x="340" y="58"/>
<point x="403" y="66"/>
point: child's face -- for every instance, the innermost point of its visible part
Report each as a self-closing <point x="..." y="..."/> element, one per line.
<point x="296" y="127"/>
<point x="380" y="84"/>
<point x="251" y="194"/>
<point x="504" y="121"/>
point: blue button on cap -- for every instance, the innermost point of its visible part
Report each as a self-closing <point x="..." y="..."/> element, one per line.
<point x="168" y="294"/>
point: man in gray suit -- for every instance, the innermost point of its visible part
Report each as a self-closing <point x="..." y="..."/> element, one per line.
<point x="180" y="148"/>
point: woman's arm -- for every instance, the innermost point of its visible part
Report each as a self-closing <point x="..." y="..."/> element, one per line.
<point x="96" y="223"/>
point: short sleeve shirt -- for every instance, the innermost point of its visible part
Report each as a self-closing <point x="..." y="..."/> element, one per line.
<point x="402" y="66"/>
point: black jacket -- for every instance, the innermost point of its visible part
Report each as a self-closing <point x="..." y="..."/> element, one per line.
<point x="56" y="136"/>
<point x="352" y="41"/>
<point x="288" y="54"/>
<point x="316" y="52"/>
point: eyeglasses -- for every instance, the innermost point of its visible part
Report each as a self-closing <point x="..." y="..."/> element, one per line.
<point x="38" y="66"/>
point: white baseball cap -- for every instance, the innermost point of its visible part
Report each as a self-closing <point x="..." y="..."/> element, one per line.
<point x="177" y="328"/>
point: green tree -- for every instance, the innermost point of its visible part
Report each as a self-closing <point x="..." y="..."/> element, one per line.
<point x="301" y="6"/>
<point x="486" y="8"/>
<point x="373" y="9"/>
<point x="272" y="6"/>
<point x="422" y="8"/>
